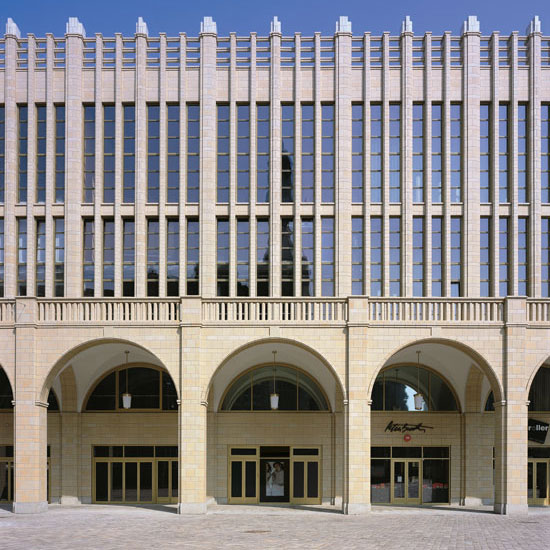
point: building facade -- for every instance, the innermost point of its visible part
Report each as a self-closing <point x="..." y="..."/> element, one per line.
<point x="275" y="269"/>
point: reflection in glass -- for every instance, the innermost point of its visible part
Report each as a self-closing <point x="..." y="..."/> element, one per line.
<point x="108" y="154"/>
<point x="308" y="262"/>
<point x="327" y="256"/>
<point x="357" y="183"/>
<point x="357" y="273"/>
<point x="223" y="154"/>
<point x="376" y="153"/>
<point x="437" y="256"/>
<point x="222" y="258"/>
<point x="308" y="153"/>
<point x="287" y="148"/>
<point x="262" y="153"/>
<point x="243" y="257"/>
<point x="435" y="483"/>
<point x="193" y="153"/>
<point x="108" y="257"/>
<point x="173" y="151"/>
<point x="380" y="481"/>
<point x="153" y="257"/>
<point x="262" y="257"/>
<point x="192" y="266"/>
<point x="287" y="257"/>
<point x="129" y="154"/>
<point x="172" y="256"/>
<point x="243" y="153"/>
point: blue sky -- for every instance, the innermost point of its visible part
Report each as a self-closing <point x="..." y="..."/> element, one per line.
<point x="244" y="16"/>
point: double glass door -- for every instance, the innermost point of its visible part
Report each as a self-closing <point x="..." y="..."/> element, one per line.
<point x="537" y="482"/>
<point x="405" y="478"/>
<point x="6" y="479"/>
<point x="274" y="474"/>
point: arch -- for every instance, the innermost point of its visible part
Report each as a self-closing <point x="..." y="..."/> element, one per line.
<point x="4" y="375"/>
<point x="288" y="342"/>
<point x="474" y="355"/>
<point x="534" y="372"/>
<point x="73" y="353"/>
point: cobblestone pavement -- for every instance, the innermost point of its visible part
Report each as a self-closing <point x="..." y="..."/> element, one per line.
<point x="114" y="527"/>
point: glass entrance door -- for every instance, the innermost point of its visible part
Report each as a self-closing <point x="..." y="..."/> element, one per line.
<point x="405" y="482"/>
<point x="305" y="471"/>
<point x="537" y="482"/>
<point x="243" y="475"/>
<point x="167" y="481"/>
<point x="6" y="480"/>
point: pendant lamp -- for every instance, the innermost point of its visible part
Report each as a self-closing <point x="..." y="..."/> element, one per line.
<point x="126" y="397"/>
<point x="274" y="397"/>
<point x="418" y="398"/>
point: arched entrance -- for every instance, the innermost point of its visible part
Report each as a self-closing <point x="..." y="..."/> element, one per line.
<point x="117" y="439"/>
<point x="538" y="453"/>
<point x="6" y="439"/>
<point x="432" y="440"/>
<point x="275" y="427"/>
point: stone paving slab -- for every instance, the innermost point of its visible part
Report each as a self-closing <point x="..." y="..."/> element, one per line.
<point x="124" y="527"/>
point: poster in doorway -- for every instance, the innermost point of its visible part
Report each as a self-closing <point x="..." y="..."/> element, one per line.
<point x="274" y="478"/>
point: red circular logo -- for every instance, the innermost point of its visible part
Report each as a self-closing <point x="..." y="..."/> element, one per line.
<point x="407" y="437"/>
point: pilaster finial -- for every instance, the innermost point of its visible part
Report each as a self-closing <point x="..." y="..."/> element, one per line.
<point x="141" y="27"/>
<point x="343" y="24"/>
<point x="407" y="24"/>
<point x="209" y="25"/>
<point x="12" y="28"/>
<point x="534" y="25"/>
<point x="74" y="26"/>
<point x="472" y="24"/>
<point x="276" y="25"/>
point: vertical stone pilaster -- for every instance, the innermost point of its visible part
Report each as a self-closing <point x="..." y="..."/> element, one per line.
<point x="163" y="132"/>
<point x="98" y="188"/>
<point x="50" y="166"/>
<point x="31" y="167"/>
<point x="73" y="165"/>
<point x="298" y="165"/>
<point x="70" y="439"/>
<point x="513" y="166"/>
<point x="386" y="94"/>
<point x="140" y="198"/>
<point x="119" y="148"/>
<point x="252" y="94"/>
<point x="317" y="197"/>
<point x="494" y="194"/>
<point x="366" y="162"/>
<point x="275" y="165"/>
<point x="428" y="210"/>
<point x="233" y="125"/>
<point x="30" y="422"/>
<point x="208" y="164"/>
<point x="446" y="162"/>
<point x="182" y="96"/>
<point x="343" y="168"/>
<point x="471" y="198"/>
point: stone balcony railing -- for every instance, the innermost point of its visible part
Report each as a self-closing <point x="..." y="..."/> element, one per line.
<point x="257" y="311"/>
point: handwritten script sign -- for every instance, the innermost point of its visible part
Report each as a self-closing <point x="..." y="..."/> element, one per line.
<point x="405" y="427"/>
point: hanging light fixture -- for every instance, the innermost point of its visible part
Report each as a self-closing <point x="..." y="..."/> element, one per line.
<point x="274" y="397"/>
<point x="126" y="397"/>
<point x="418" y="398"/>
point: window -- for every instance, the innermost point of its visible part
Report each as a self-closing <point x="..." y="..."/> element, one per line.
<point x="437" y="256"/>
<point x="2" y="247"/>
<point x="327" y="256"/>
<point x="22" y="153"/>
<point x="128" y="257"/>
<point x="484" y="152"/>
<point x="545" y="153"/>
<point x="6" y="396"/>
<point x="88" y="194"/>
<point x="395" y="153"/>
<point x="523" y="151"/>
<point x="243" y="257"/>
<point x="153" y="153"/>
<point x="88" y="261"/>
<point x="418" y="256"/>
<point x="357" y="147"/>
<point x="485" y="257"/>
<point x="287" y="148"/>
<point x="108" y="257"/>
<point x="503" y="152"/>
<point x="394" y="390"/>
<point x="539" y="394"/>
<point x="308" y="257"/>
<point x="456" y="152"/>
<point x="40" y="258"/>
<point x="21" y="256"/>
<point x="456" y="256"/>
<point x="59" y="153"/>
<point x="545" y="257"/>
<point x="437" y="148"/>
<point x="223" y="154"/>
<point x="376" y="152"/>
<point x="503" y="259"/>
<point x="193" y="243"/>
<point x="296" y="390"/>
<point x="193" y="153"/>
<point x="262" y="257"/>
<point x="129" y="157"/>
<point x="59" y="257"/>
<point x="262" y="153"/>
<point x="357" y="273"/>
<point x="2" y="154"/>
<point x="109" y="131"/>
<point x="287" y="257"/>
<point x="327" y="153"/>
<point x="41" y="153"/>
<point x="222" y="258"/>
<point x="150" y="389"/>
<point x="152" y="257"/>
<point x="395" y="256"/>
<point x="172" y="257"/>
<point x="173" y="152"/>
<point x="523" y="256"/>
<point x="376" y="256"/>
<point x="418" y="152"/>
<point x="308" y="153"/>
<point x="243" y="153"/>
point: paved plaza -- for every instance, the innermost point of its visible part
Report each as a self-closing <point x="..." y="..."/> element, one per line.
<point x="117" y="527"/>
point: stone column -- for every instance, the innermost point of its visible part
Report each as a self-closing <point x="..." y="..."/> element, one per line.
<point x="30" y="419"/>
<point x="358" y="432"/>
<point x="511" y="417"/>
<point x="192" y="417"/>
